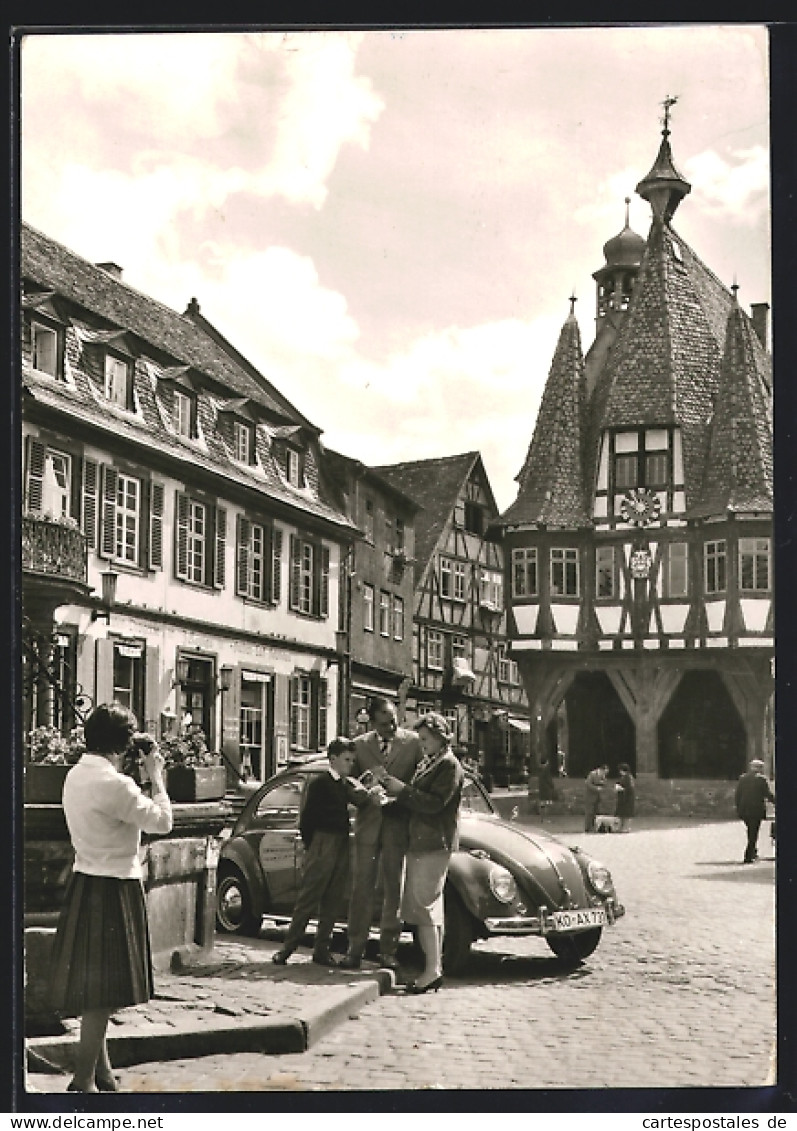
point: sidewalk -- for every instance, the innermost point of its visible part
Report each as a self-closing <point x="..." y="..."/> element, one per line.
<point x="235" y="1001"/>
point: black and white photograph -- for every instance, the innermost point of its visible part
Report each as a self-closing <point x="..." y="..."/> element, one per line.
<point x="397" y="697"/>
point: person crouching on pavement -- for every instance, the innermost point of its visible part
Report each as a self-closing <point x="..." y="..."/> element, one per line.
<point x="432" y="798"/>
<point x="380" y="835"/>
<point x="752" y="794"/>
<point x="324" y="829"/>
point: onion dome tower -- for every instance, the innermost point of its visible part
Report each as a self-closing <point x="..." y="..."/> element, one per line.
<point x="615" y="280"/>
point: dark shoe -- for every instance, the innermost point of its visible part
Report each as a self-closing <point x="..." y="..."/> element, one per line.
<point x="324" y="958"/>
<point x="72" y="1087"/>
<point x="350" y="962"/>
<point x="281" y="956"/>
<point x="388" y="961"/>
<point x="107" y="1083"/>
<point x="414" y="988"/>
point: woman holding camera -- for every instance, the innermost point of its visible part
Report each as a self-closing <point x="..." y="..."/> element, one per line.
<point x="101" y="957"/>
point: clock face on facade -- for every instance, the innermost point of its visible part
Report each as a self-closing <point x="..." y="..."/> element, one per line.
<point x="640" y="506"/>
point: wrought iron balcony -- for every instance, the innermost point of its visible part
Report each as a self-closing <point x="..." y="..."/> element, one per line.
<point x="53" y="549"/>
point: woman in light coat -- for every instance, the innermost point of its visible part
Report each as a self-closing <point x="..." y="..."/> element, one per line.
<point x="432" y="797"/>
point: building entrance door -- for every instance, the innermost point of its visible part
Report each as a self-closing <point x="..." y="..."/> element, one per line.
<point x="256" y="724"/>
<point x="197" y="693"/>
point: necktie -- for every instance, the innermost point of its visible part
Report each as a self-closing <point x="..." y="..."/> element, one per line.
<point x="385" y="748"/>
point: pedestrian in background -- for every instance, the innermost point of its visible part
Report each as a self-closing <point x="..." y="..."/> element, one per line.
<point x="380" y="835"/>
<point x="432" y="800"/>
<point x="547" y="790"/>
<point x="324" y="829"/>
<point x="101" y="957"/>
<point x="626" y="796"/>
<point x="752" y="794"/>
<point x="593" y="789"/>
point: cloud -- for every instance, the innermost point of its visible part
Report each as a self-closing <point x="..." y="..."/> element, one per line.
<point x="603" y="209"/>
<point x="735" y="188"/>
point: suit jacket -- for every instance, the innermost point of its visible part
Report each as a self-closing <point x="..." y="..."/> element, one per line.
<point x="433" y="804"/>
<point x="403" y="757"/>
<point x="752" y="794"/>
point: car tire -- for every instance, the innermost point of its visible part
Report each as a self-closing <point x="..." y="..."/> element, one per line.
<point x="458" y="935"/>
<point x="573" y="949"/>
<point x="234" y="905"/>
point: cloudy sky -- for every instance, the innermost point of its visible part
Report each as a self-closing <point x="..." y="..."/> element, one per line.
<point x="389" y="224"/>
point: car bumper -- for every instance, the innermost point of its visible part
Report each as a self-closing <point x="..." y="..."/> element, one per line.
<point x="542" y="924"/>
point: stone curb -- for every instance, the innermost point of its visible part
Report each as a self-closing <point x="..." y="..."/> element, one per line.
<point x="281" y="1034"/>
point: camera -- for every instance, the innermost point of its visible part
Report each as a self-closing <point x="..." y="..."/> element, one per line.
<point x="133" y="764"/>
<point x="143" y="743"/>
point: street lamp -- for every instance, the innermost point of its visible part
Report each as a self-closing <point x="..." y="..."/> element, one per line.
<point x="108" y="580"/>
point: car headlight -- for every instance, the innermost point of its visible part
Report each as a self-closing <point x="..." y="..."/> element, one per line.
<point x="600" y="877"/>
<point x="502" y="884"/>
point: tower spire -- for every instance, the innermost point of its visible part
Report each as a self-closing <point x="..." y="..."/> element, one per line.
<point x="664" y="188"/>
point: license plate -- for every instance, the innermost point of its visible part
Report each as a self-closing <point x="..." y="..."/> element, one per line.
<point x="578" y="920"/>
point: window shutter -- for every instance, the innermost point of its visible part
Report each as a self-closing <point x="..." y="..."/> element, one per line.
<point x="181" y="537"/>
<point x="242" y="556"/>
<point x="293" y="691"/>
<point x="35" y="486"/>
<point x="89" y="501"/>
<point x="296" y="548"/>
<point x="323" y="605"/>
<point x="276" y="565"/>
<point x="153" y="701"/>
<point x="321" y="713"/>
<point x="107" y="532"/>
<point x="103" y="686"/>
<point x="157" y="494"/>
<point x="221" y="547"/>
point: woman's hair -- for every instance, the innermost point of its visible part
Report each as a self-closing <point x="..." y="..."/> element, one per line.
<point x="108" y="728"/>
<point x="436" y="724"/>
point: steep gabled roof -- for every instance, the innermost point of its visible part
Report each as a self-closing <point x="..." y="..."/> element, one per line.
<point x="54" y="267"/>
<point x="664" y="366"/>
<point x="738" y="476"/>
<point x="435" y="484"/>
<point x="551" y="480"/>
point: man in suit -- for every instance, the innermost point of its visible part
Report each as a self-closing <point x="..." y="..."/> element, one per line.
<point x="380" y="834"/>
<point x="752" y="794"/>
<point x="593" y="789"/>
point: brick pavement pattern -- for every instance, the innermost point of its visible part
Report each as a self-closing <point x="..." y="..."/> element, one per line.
<point x="663" y="1002"/>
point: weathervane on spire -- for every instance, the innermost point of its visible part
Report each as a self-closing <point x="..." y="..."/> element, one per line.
<point x="669" y="101"/>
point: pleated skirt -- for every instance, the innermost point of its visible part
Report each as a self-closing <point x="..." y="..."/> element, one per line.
<point x="101" y="956"/>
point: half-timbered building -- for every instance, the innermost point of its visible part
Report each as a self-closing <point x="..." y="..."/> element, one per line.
<point x="461" y="662"/>
<point x="639" y="547"/>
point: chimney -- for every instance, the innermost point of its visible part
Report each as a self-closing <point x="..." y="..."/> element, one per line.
<point x="760" y="315"/>
<point x="112" y="269"/>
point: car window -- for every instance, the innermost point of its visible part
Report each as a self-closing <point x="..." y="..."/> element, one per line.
<point x="279" y="807"/>
<point x="473" y="800"/>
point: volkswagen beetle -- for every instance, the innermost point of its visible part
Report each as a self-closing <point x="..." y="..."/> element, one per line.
<point x="504" y="879"/>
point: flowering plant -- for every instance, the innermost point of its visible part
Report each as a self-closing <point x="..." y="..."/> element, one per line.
<point x="189" y="748"/>
<point x="54" y="519"/>
<point x="48" y="747"/>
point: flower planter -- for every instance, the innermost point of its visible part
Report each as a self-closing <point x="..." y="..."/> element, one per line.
<point x="44" y="782"/>
<point x="196" y="783"/>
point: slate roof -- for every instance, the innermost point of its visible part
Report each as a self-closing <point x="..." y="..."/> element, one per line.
<point x="168" y="341"/>
<point x="738" y="474"/>
<point x="551" y="490"/>
<point x="55" y="267"/>
<point x="435" y="484"/>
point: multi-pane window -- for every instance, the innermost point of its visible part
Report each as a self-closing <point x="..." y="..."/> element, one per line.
<point x="399" y="543"/>
<point x="754" y="564"/>
<point x="604" y="571"/>
<point x="491" y="589"/>
<point x="642" y="459"/>
<point x="626" y="471"/>
<point x="128" y="675"/>
<point x="524" y="572"/>
<point x="565" y="578"/>
<point x="398" y="618"/>
<point x="309" y="577"/>
<point x="369" y="520"/>
<point x="474" y="517"/>
<point x="117" y="381"/>
<point x="446" y="581"/>
<point x="451" y="715"/>
<point x="459" y="581"/>
<point x="714" y="560"/>
<point x="384" y="613"/>
<point x="127" y="519"/>
<point x="677" y="569"/>
<point x="507" y="668"/>
<point x="56" y="484"/>
<point x="259" y="561"/>
<point x="434" y="649"/>
<point x="459" y="647"/>
<point x="308" y="712"/>
<point x="44" y="346"/>
<point x="242" y="441"/>
<point x="200" y="541"/>
<point x="368" y="607"/>
<point x="293" y="467"/>
<point x="183" y="414"/>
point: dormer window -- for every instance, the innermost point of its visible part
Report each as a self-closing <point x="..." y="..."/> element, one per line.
<point x="118" y="386"/>
<point x="643" y="460"/>
<point x="184" y="414"/>
<point x="243" y="441"/>
<point x="293" y="467"/>
<point x="45" y="349"/>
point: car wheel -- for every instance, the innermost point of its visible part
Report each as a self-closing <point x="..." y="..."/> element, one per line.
<point x="574" y="948"/>
<point x="458" y="935"/>
<point x="234" y="905"/>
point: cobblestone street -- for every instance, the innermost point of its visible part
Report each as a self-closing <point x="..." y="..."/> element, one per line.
<point x="680" y="993"/>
